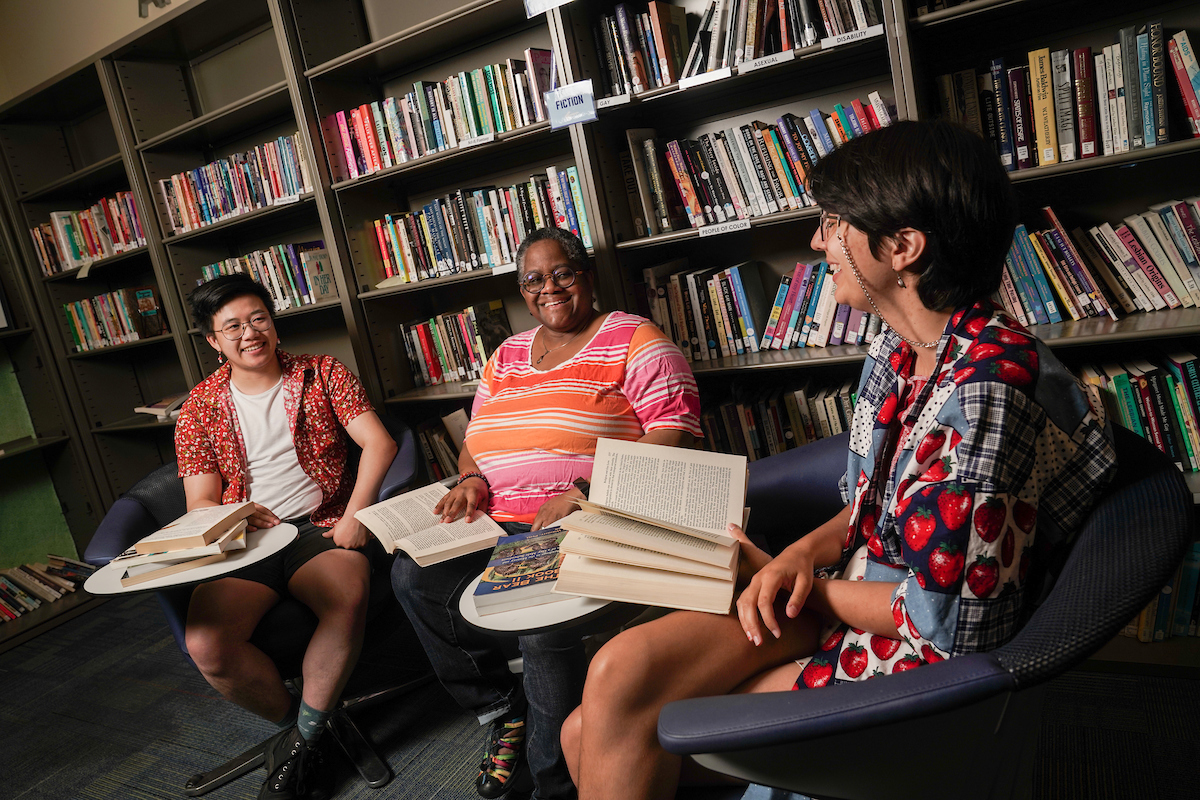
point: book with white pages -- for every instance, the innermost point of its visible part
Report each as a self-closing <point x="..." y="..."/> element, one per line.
<point x="196" y="528"/>
<point x="232" y="539"/>
<point x="655" y="528"/>
<point x="407" y="522"/>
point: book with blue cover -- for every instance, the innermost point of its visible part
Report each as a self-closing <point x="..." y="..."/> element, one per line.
<point x="521" y="572"/>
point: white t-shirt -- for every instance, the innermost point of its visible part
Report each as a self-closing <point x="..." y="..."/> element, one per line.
<point x="274" y="478"/>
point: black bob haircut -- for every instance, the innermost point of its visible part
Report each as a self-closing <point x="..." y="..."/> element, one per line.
<point x="210" y="296"/>
<point x="935" y="177"/>
<point x="571" y="245"/>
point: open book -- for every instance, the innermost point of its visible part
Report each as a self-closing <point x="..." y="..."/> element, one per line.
<point x="654" y="528"/>
<point x="407" y="522"/>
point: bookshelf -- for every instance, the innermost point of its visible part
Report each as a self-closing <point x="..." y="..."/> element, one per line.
<point x="213" y="78"/>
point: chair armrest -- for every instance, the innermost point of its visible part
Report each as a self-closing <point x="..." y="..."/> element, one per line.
<point x="125" y="523"/>
<point x="403" y="471"/>
<point x="740" y="722"/>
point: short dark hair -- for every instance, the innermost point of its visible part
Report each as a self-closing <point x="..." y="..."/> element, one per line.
<point x="571" y="245"/>
<point x="210" y="296"/>
<point x="937" y="177"/>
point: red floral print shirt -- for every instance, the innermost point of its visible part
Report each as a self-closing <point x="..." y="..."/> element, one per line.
<point x="321" y="399"/>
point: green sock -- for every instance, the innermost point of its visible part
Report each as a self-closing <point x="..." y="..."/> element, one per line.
<point x="289" y="719"/>
<point x="311" y="722"/>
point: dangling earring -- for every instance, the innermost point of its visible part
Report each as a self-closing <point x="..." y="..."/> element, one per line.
<point x="900" y="281"/>
<point x="220" y="358"/>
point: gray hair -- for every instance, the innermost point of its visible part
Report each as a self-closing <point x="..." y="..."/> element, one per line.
<point x="571" y="246"/>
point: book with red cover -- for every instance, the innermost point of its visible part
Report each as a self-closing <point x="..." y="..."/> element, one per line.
<point x="1085" y="101"/>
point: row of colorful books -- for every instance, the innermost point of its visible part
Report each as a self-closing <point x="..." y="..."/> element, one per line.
<point x="768" y="422"/>
<point x="640" y="50"/>
<point x="1156" y="399"/>
<point x="72" y="239"/>
<point x="740" y="172"/>
<point x="455" y="347"/>
<point x="1175" y="611"/>
<point x="479" y="228"/>
<point x="439" y="115"/>
<point x="1147" y="261"/>
<point x="1073" y="104"/>
<point x="732" y="32"/>
<point x="296" y="275"/>
<point x="441" y="440"/>
<point x="117" y="317"/>
<point x="25" y="588"/>
<point x="273" y="173"/>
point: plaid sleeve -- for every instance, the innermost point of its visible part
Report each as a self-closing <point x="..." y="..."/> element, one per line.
<point x="193" y="448"/>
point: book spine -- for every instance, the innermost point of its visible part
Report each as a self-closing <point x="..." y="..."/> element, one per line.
<point x="1018" y="104"/>
<point x="1158" y="81"/>
<point x="1190" y="100"/>
<point x="1149" y="139"/>
<point x="1085" y="101"/>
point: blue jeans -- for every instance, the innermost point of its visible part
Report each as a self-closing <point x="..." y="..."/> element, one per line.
<point x="473" y="668"/>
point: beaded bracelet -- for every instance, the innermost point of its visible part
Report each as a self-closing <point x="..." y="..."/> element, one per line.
<point x="479" y="475"/>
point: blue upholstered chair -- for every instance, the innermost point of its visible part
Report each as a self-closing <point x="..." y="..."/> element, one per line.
<point x="285" y="630"/>
<point x="965" y="727"/>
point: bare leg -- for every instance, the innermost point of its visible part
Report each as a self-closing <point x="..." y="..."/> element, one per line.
<point x="335" y="585"/>
<point x="222" y="616"/>
<point x="611" y="741"/>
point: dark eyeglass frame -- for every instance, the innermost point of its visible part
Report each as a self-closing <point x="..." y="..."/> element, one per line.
<point x="260" y="322"/>
<point x="824" y="221"/>
<point x="564" y="278"/>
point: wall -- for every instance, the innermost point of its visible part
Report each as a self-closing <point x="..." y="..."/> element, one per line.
<point x="39" y="39"/>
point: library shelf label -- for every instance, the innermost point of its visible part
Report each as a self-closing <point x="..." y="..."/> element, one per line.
<point x="766" y="61"/>
<point x="475" y="141"/>
<point x="852" y="36"/>
<point x="504" y="269"/>
<point x="535" y="7"/>
<point x="85" y="269"/>
<point x="705" y="77"/>
<point x="614" y="100"/>
<point x="287" y="200"/>
<point x="571" y="104"/>
<point x="724" y="227"/>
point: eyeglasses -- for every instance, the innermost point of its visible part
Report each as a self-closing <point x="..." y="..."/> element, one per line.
<point x="828" y="225"/>
<point x="236" y="330"/>
<point x="563" y="277"/>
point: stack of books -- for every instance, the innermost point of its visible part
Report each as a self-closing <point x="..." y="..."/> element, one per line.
<point x="165" y="409"/>
<point x="296" y="275"/>
<point x="272" y="174"/>
<point x="740" y="172"/>
<point x="462" y="110"/>
<point x="478" y="228"/>
<point x="654" y="529"/>
<point x="757" y="424"/>
<point x="1074" y="104"/>
<point x="454" y="347"/>
<point x="640" y="50"/>
<point x="117" y="317"/>
<point x="441" y="440"/>
<point x="73" y="239"/>
<point x="201" y="536"/>
<point x="25" y="588"/>
<point x="1146" y="262"/>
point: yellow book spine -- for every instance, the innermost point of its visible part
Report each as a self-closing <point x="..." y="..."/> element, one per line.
<point x="1044" y="125"/>
<point x="1065" y="298"/>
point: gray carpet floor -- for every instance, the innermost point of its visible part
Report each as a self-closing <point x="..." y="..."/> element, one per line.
<point x="105" y="707"/>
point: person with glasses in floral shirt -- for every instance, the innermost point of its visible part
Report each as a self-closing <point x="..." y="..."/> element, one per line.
<point x="271" y="427"/>
<point x="546" y="396"/>
<point x="974" y="458"/>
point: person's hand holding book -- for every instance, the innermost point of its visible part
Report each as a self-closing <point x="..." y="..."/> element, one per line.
<point x="468" y="497"/>
<point x="556" y="508"/>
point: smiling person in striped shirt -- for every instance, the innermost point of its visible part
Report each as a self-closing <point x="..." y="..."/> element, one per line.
<point x="545" y="398"/>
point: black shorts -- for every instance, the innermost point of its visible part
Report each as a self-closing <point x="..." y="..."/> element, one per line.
<point x="276" y="571"/>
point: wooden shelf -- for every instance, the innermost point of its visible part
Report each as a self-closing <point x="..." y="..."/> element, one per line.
<point x="234" y="119"/>
<point x="1168" y="150"/>
<point x="31" y="444"/>
<point x="526" y="135"/>
<point x="457" y="390"/>
<point x="101" y="264"/>
<point x="138" y="422"/>
<point x="258" y="215"/>
<point x="671" y="237"/>
<point x="166" y="337"/>
<point x="46" y="616"/>
<point x="424" y="42"/>
<point x="97" y="173"/>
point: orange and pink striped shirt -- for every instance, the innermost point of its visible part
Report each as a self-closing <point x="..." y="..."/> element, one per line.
<point x="533" y="432"/>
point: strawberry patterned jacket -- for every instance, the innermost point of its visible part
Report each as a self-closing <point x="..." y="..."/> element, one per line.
<point x="322" y="397"/>
<point x="1004" y="456"/>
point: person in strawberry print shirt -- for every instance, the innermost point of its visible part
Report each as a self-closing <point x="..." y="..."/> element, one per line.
<point x="974" y="457"/>
<point x="271" y="427"/>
